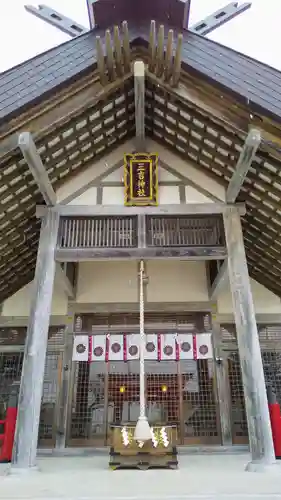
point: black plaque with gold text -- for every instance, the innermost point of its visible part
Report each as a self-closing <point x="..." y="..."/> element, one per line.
<point x="141" y="179"/>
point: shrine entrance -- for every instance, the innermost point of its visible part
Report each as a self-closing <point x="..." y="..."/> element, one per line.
<point x="180" y="392"/>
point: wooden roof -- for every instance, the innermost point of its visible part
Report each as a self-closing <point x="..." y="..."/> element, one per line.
<point x="78" y="112"/>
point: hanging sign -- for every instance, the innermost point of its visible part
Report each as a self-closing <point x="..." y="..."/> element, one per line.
<point x="141" y="179"/>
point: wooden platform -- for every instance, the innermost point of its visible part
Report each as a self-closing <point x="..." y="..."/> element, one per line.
<point x="160" y="452"/>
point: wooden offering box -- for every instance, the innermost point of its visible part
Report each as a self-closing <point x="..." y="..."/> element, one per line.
<point x="157" y="452"/>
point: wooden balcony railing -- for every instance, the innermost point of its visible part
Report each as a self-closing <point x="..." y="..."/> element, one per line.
<point x="141" y="236"/>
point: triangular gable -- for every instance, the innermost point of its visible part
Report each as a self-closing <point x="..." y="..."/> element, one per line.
<point x="196" y="187"/>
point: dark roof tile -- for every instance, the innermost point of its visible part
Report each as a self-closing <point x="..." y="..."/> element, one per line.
<point x="252" y="81"/>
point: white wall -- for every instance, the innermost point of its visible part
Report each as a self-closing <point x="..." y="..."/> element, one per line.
<point x="176" y="281"/>
<point x="265" y="302"/>
<point x="107" y="282"/>
<point x="169" y="281"/>
<point x="114" y="195"/>
<point x="89" y="197"/>
<point x="19" y="303"/>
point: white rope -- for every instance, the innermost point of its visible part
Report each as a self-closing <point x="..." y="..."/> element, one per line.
<point x="142" y="344"/>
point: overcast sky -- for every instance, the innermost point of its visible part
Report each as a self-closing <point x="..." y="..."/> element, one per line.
<point x="255" y="32"/>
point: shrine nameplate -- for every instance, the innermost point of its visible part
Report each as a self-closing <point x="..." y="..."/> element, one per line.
<point x="141" y="179"/>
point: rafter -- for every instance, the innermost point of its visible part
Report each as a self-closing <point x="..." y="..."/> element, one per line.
<point x="219" y="282"/>
<point x="60" y="109"/>
<point x="36" y="167"/>
<point x="246" y="157"/>
<point x="64" y="282"/>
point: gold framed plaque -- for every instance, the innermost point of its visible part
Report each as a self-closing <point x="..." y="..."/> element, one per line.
<point x="141" y="179"/>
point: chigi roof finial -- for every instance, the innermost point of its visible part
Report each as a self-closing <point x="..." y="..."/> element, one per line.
<point x="174" y="13"/>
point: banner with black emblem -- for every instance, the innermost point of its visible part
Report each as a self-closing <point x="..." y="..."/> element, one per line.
<point x="141" y="179"/>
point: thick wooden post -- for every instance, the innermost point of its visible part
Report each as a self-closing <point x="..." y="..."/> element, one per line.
<point x="260" y="436"/>
<point x="25" y="445"/>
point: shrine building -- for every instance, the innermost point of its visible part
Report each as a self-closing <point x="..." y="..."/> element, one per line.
<point x="140" y="140"/>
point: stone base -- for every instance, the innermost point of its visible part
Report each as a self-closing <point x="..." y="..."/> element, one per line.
<point x="273" y="468"/>
<point x="14" y="470"/>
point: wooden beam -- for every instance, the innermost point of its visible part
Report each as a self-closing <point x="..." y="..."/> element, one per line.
<point x="259" y="428"/>
<point x="22" y="321"/>
<point x="184" y="253"/>
<point x="261" y="319"/>
<point x="36" y="167"/>
<point x="29" y="406"/>
<point x="219" y="282"/>
<point x="64" y="282"/>
<point x="139" y="82"/>
<point x="246" y="157"/>
<point x="120" y="210"/>
<point x="133" y="307"/>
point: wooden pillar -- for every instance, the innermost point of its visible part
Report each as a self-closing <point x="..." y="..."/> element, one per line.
<point x="260" y="436"/>
<point x="222" y="382"/>
<point x="25" y="445"/>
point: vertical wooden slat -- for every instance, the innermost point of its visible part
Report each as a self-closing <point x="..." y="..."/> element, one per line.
<point x="76" y="232"/>
<point x="169" y="56"/>
<point x="85" y="233"/>
<point x="109" y="56"/>
<point x="93" y="232"/>
<point x="89" y="232"/>
<point x="105" y="412"/>
<point x="160" y="51"/>
<point x="117" y="51"/>
<point x="63" y="241"/>
<point x="177" y="61"/>
<point x="72" y="232"/>
<point x="152" y="46"/>
<point x="126" y="46"/>
<point x="100" y="61"/>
